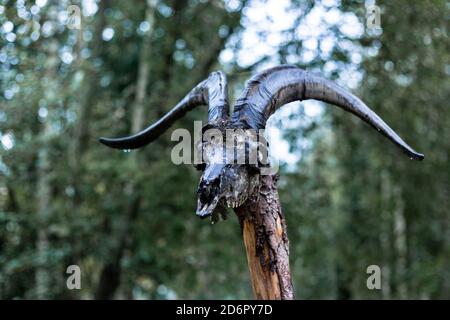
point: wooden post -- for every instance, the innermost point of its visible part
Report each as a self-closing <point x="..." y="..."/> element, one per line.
<point x="266" y="243"/>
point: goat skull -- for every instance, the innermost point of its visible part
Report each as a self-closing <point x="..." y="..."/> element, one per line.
<point x="229" y="184"/>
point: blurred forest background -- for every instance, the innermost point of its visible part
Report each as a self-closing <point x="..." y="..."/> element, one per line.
<point x="351" y="199"/>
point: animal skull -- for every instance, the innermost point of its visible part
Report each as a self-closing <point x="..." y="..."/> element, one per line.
<point x="231" y="170"/>
<point x="225" y="183"/>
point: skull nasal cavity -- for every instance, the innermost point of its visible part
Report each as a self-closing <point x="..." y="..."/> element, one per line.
<point x="210" y="183"/>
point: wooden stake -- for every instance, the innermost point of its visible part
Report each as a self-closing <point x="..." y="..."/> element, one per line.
<point x="266" y="243"/>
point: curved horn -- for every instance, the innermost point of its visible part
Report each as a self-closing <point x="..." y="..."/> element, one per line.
<point x="212" y="92"/>
<point x="272" y="88"/>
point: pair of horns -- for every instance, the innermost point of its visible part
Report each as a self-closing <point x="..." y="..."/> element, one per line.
<point x="262" y="96"/>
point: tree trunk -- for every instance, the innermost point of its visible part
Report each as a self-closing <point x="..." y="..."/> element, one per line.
<point x="89" y="97"/>
<point x="266" y="243"/>
<point x="385" y="233"/>
<point x="42" y="276"/>
<point x="111" y="272"/>
<point x="400" y="244"/>
<point x="44" y="184"/>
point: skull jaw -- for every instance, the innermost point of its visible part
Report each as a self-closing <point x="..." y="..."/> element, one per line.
<point x="216" y="203"/>
<point x="206" y="209"/>
<point x="217" y="206"/>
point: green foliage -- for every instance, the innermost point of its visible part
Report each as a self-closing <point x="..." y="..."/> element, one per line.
<point x="357" y="200"/>
<point x="127" y="219"/>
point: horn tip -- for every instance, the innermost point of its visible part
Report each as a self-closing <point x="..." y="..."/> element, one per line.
<point x="108" y="142"/>
<point x="417" y="156"/>
<point x="420" y="156"/>
<point x="103" y="140"/>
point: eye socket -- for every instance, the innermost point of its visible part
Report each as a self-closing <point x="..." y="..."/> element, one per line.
<point x="211" y="152"/>
<point x="207" y="127"/>
<point x="253" y="169"/>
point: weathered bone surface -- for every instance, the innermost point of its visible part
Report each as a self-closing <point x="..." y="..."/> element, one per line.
<point x="229" y="184"/>
<point x="229" y="176"/>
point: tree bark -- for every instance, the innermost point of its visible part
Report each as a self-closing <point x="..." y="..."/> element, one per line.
<point x="266" y="243"/>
